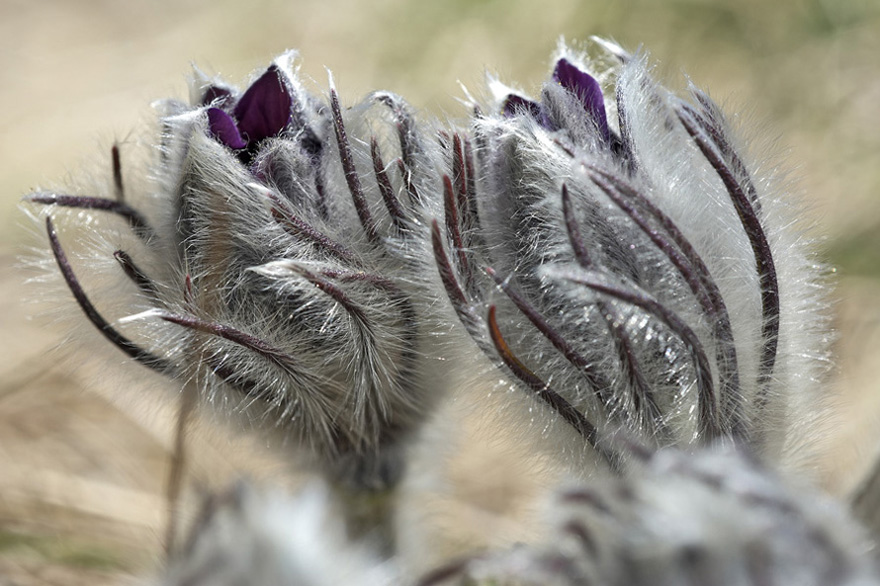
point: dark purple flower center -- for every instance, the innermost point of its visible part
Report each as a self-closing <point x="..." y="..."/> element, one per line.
<point x="216" y="96"/>
<point x="224" y="129"/>
<point x="588" y="91"/>
<point x="579" y="83"/>
<point x="515" y="104"/>
<point x="263" y="111"/>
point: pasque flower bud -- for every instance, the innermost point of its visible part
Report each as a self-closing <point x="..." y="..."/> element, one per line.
<point x="282" y="264"/>
<point x="627" y="258"/>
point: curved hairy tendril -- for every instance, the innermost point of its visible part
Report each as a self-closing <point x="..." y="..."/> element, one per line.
<point x="600" y="385"/>
<point x="408" y="145"/>
<point x="453" y="229"/>
<point x="137" y="221"/>
<point x="142" y="356"/>
<point x="331" y="290"/>
<point x="136" y="274"/>
<point x="641" y="396"/>
<point x="398" y="216"/>
<point x="693" y="270"/>
<point x="543" y="391"/>
<point x="296" y="226"/>
<point x="447" y="276"/>
<point x="286" y="362"/>
<point x="351" y="175"/>
<point x="118" y="186"/>
<point x="764" y="262"/>
<point x="226" y="332"/>
<point x="709" y="426"/>
<point x="709" y="120"/>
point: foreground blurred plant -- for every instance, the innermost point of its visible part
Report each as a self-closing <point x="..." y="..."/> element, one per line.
<point x="611" y="250"/>
<point x="713" y="517"/>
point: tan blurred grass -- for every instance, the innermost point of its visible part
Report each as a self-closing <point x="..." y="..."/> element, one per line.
<point x="76" y="75"/>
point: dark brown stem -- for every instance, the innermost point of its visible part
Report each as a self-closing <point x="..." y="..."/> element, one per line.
<point x="351" y="174"/>
<point x="765" y="265"/>
<point x="137" y="221"/>
<point x="134" y="351"/>
<point x="385" y="190"/>
<point x="541" y="390"/>
<point x="708" y="407"/>
<point x="118" y="187"/>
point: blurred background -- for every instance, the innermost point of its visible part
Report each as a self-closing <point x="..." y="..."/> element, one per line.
<point x="81" y="471"/>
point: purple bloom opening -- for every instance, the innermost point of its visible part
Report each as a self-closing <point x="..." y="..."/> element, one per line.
<point x="588" y="91"/>
<point x="515" y="104"/>
<point x="264" y="109"/>
<point x="223" y="128"/>
<point x="216" y="96"/>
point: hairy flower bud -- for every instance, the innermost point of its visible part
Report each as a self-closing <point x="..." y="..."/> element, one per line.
<point x="283" y="267"/>
<point x="626" y="258"/>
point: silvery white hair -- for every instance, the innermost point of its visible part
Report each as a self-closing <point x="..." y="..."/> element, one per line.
<point x="245" y="536"/>
<point x="714" y="517"/>
<point x="614" y="252"/>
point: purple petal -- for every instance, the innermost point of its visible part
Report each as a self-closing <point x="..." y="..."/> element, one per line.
<point x="265" y="108"/>
<point x="223" y="128"/>
<point x="216" y="96"/>
<point x="514" y="104"/>
<point x="588" y="91"/>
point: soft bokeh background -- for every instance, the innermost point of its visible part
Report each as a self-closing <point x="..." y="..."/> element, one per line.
<point x="81" y="472"/>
